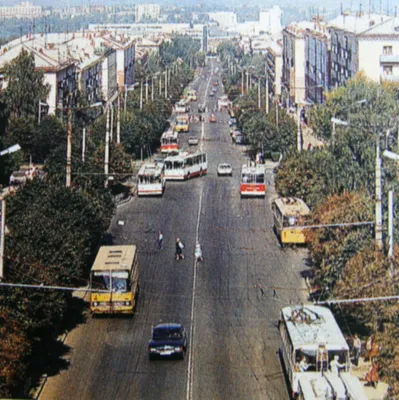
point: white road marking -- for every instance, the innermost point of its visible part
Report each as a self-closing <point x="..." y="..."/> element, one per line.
<point x="190" y="366"/>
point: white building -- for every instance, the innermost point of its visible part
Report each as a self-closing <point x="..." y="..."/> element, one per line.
<point x="225" y="19"/>
<point x="363" y="42"/>
<point x="293" y="74"/>
<point x="24" y="10"/>
<point x="147" y="12"/>
<point x="274" y="67"/>
<point x="270" y="20"/>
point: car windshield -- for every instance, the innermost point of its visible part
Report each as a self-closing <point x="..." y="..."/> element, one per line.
<point x="224" y="166"/>
<point x="167" y="333"/>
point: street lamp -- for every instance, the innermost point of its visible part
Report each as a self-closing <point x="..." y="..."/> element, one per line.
<point x="10" y="150"/>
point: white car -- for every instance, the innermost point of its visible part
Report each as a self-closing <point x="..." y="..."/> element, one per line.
<point x="225" y="169"/>
<point x="192" y="141"/>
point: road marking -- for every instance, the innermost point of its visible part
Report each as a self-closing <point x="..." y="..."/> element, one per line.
<point x="190" y="366"/>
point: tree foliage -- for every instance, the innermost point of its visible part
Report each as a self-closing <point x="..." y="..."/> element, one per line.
<point x="25" y="86"/>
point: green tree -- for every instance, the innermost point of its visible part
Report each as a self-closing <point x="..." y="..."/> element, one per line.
<point x="25" y="86"/>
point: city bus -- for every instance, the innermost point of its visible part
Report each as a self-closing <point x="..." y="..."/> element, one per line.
<point x="253" y="180"/>
<point x="289" y="215"/>
<point x="115" y="274"/>
<point x="169" y="141"/>
<point x="182" y="123"/>
<point x="185" y="165"/>
<point x="151" y="180"/>
<point x="311" y="342"/>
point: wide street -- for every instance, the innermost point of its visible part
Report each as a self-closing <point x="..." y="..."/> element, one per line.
<point x="226" y="303"/>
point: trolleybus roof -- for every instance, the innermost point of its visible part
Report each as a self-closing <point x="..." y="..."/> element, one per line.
<point x="309" y="326"/>
<point x="114" y="257"/>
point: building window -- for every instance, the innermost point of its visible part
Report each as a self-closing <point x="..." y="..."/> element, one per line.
<point x="388" y="70"/>
<point x="387" y="50"/>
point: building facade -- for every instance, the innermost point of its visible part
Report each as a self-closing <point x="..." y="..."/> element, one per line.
<point x="147" y="12"/>
<point x="317" y="62"/>
<point x="24" y="10"/>
<point x="273" y="71"/>
<point x="270" y="20"/>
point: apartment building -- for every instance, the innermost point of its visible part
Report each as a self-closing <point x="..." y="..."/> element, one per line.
<point x="147" y="12"/>
<point x="270" y="20"/>
<point x="317" y="61"/>
<point x="225" y="19"/>
<point x="274" y="66"/>
<point x="293" y="89"/>
<point x="23" y="10"/>
<point x="364" y="42"/>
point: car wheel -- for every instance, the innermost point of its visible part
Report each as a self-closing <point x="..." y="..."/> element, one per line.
<point x="151" y="357"/>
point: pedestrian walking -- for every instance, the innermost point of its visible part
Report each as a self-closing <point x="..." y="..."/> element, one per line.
<point x="198" y="253"/>
<point x="160" y="240"/>
<point x="179" y="250"/>
<point x="357" y="347"/>
<point x="372" y="375"/>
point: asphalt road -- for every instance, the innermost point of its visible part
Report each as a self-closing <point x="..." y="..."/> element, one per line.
<point x="226" y="303"/>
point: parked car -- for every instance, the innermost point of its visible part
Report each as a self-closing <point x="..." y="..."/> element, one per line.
<point x="201" y="108"/>
<point x="192" y="141"/>
<point x="211" y="94"/>
<point x="239" y="139"/>
<point x="167" y="340"/>
<point x="232" y="122"/>
<point x="225" y="169"/>
<point x="212" y="118"/>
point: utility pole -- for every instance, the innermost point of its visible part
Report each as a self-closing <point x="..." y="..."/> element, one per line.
<point x="141" y="95"/>
<point x="267" y="95"/>
<point x="276" y="114"/>
<point x="242" y="82"/>
<point x="2" y="236"/>
<point x="152" y="88"/>
<point x="390" y="222"/>
<point x="118" y="122"/>
<point x="106" y="152"/>
<point x="69" y="149"/>
<point x="259" y="103"/>
<point x="299" y="138"/>
<point x="378" y="197"/>
<point x="124" y="106"/>
<point x="83" y="144"/>
<point x="166" y="83"/>
<point x="111" y="133"/>
<point x="160" y="86"/>
<point x="146" y="90"/>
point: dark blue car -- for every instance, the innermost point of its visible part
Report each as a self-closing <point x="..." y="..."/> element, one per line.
<point x="168" y="340"/>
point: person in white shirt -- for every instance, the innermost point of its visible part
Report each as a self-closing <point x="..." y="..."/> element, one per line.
<point x="335" y="365"/>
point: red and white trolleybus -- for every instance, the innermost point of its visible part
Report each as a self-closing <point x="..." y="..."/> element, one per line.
<point x="253" y="180"/>
<point x="151" y="180"/>
<point x="169" y="141"/>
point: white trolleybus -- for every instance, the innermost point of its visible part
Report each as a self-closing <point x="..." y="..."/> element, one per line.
<point x="151" y="180"/>
<point x="169" y="141"/>
<point x="185" y="165"/>
<point x="253" y="180"/>
<point x="316" y="355"/>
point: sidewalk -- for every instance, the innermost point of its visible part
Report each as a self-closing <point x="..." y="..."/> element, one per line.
<point x="377" y="393"/>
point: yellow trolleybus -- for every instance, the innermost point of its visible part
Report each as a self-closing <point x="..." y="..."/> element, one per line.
<point x="115" y="273"/>
<point x="289" y="214"/>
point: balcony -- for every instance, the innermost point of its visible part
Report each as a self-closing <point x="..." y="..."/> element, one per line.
<point x="389" y="59"/>
<point x="389" y="78"/>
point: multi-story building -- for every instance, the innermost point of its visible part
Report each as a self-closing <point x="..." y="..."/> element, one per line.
<point x="293" y="70"/>
<point x="147" y="12"/>
<point x="24" y="10"/>
<point x="270" y="20"/>
<point x="274" y="68"/>
<point x="60" y="75"/>
<point x="364" y="42"/>
<point x="317" y="59"/>
<point x="224" y="18"/>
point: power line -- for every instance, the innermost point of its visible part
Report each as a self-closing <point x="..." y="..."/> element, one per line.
<point x="62" y="288"/>
<point x="358" y="300"/>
